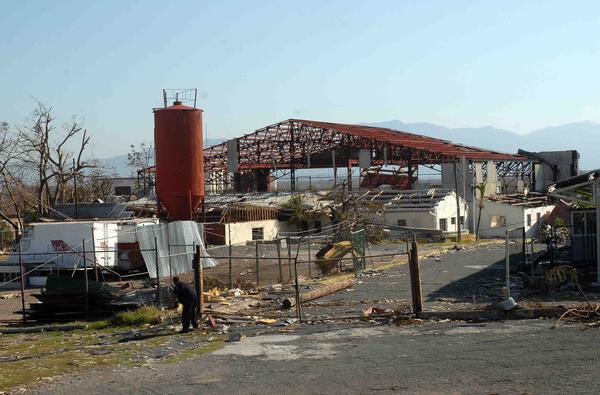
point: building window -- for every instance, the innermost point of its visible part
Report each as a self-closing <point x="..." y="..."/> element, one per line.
<point x="528" y="219"/>
<point x="453" y="221"/>
<point x="257" y="233"/>
<point x="497" y="221"/>
<point x="401" y="222"/>
<point x="122" y="191"/>
<point x="444" y="224"/>
<point x="538" y="217"/>
<point x="462" y="220"/>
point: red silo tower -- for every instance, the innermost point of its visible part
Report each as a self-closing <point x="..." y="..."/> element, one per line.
<point x="179" y="160"/>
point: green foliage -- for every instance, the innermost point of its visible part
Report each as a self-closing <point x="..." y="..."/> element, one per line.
<point x="559" y="223"/>
<point x="299" y="212"/>
<point x="30" y="215"/>
<point x="143" y="315"/>
<point x="583" y="201"/>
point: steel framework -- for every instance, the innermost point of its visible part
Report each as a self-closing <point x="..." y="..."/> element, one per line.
<point x="296" y="144"/>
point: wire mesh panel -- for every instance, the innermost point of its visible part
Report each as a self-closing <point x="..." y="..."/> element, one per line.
<point x="359" y="247"/>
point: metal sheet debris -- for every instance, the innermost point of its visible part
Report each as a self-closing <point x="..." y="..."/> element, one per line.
<point x="175" y="243"/>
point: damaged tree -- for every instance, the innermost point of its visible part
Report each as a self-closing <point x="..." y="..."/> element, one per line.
<point x="45" y="152"/>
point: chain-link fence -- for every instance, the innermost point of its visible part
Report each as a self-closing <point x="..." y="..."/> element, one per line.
<point x="333" y="273"/>
<point x="82" y="282"/>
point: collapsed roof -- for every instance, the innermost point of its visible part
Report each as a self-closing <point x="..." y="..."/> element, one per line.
<point x="417" y="200"/>
<point x="525" y="200"/>
<point x="576" y="190"/>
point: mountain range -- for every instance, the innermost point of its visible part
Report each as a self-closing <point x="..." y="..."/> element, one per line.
<point x="581" y="136"/>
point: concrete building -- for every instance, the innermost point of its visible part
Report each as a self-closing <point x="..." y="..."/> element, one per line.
<point x="502" y="212"/>
<point x="433" y="209"/>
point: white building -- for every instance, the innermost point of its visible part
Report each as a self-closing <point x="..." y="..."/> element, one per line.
<point x="504" y="212"/>
<point x="434" y="209"/>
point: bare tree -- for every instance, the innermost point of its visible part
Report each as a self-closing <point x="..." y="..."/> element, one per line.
<point x="46" y="151"/>
<point x="101" y="182"/>
<point x="141" y="158"/>
<point x="11" y="185"/>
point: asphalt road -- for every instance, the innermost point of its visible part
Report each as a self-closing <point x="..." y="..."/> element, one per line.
<point x="510" y="357"/>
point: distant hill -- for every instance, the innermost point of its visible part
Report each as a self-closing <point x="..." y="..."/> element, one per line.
<point x="118" y="163"/>
<point x="581" y="136"/>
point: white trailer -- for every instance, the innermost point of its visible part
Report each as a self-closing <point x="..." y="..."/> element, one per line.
<point x="63" y="244"/>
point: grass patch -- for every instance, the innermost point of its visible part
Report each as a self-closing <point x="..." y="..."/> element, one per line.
<point x="144" y="315"/>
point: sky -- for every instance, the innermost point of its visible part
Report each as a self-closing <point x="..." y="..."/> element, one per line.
<point x="517" y="65"/>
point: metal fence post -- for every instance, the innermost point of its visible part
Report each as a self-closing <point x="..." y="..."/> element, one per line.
<point x="256" y="258"/>
<point x="94" y="254"/>
<point x="309" y="262"/>
<point x="87" y="302"/>
<point x="158" y="303"/>
<point x="507" y="262"/>
<point x="297" y="290"/>
<point x="21" y="269"/>
<point x="230" y="266"/>
<point x="278" y="245"/>
<point x="289" y="248"/>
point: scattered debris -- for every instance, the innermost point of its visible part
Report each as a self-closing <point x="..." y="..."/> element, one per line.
<point x="235" y="337"/>
<point x="376" y="310"/>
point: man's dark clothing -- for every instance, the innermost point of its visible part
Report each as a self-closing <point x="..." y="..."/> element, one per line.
<point x="187" y="297"/>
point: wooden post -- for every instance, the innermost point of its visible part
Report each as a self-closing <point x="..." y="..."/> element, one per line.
<point x="22" y="270"/>
<point x="256" y="258"/>
<point x="415" y="279"/>
<point x="87" y="304"/>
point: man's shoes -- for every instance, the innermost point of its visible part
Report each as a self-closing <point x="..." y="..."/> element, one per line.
<point x="184" y="331"/>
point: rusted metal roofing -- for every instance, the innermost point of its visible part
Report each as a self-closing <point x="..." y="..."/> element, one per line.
<point x="300" y="143"/>
<point x="416" y="141"/>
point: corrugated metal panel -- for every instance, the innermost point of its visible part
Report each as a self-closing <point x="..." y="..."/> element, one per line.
<point x="181" y="236"/>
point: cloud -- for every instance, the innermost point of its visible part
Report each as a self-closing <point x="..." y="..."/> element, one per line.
<point x="589" y="108"/>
